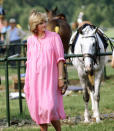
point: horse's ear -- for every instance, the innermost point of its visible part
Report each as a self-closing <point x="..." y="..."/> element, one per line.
<point x="55" y="9"/>
<point x="46" y="10"/>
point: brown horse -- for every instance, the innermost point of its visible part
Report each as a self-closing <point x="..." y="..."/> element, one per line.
<point x="58" y="23"/>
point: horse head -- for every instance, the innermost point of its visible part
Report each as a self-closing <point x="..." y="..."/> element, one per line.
<point x="89" y="47"/>
<point x="51" y="13"/>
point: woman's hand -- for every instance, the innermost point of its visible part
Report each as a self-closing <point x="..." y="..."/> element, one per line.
<point x="60" y="84"/>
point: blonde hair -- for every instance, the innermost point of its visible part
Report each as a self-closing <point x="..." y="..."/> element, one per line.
<point x="36" y="18"/>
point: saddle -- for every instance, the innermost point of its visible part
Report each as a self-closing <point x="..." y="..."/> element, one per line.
<point x="103" y="37"/>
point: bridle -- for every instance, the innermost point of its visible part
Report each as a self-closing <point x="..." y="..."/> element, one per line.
<point x="92" y="56"/>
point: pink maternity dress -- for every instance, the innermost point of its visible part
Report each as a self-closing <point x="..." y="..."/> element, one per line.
<point x="45" y="102"/>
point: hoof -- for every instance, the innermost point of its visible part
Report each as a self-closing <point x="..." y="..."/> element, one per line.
<point x="98" y="120"/>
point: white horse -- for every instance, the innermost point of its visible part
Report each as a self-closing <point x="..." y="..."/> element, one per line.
<point x="90" y="67"/>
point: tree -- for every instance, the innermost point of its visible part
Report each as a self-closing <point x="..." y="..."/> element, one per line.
<point x="98" y="12"/>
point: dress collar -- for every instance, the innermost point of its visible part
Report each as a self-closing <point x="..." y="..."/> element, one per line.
<point x="43" y="36"/>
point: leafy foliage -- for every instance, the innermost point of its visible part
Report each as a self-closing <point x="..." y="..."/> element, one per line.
<point x="100" y="12"/>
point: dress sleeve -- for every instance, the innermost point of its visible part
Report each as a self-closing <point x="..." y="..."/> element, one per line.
<point x="26" y="86"/>
<point x="58" y="48"/>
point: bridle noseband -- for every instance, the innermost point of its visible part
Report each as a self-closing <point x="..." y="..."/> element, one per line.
<point x="92" y="56"/>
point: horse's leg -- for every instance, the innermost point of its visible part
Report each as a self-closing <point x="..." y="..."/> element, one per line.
<point x="91" y="89"/>
<point x="90" y="85"/>
<point x="96" y="113"/>
<point x="83" y="82"/>
<point x="86" y="100"/>
<point x="92" y="100"/>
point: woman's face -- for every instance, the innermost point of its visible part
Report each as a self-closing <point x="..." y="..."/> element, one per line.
<point x="41" y="26"/>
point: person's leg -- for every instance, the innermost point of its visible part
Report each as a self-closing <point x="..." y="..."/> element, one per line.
<point x="56" y="124"/>
<point x="43" y="127"/>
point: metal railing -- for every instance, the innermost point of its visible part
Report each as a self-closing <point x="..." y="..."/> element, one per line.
<point x="6" y="60"/>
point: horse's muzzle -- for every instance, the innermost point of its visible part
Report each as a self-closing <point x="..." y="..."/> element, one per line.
<point x="89" y="70"/>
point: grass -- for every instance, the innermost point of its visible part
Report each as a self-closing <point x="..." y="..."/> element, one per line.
<point x="74" y="106"/>
<point x="110" y="32"/>
<point x="80" y="127"/>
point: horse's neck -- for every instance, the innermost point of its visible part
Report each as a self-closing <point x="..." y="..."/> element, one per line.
<point x="72" y="37"/>
<point x="77" y="49"/>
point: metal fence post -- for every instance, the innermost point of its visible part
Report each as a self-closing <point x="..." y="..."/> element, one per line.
<point x="19" y="86"/>
<point x="7" y="88"/>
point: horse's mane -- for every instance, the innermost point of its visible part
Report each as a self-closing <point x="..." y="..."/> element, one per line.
<point x="83" y="23"/>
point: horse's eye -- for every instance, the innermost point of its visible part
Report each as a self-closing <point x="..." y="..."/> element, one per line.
<point x="93" y="44"/>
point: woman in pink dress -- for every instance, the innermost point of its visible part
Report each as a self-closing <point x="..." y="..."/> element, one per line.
<point x="44" y="74"/>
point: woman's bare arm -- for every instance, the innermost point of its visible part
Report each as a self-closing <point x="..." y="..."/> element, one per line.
<point x="60" y="75"/>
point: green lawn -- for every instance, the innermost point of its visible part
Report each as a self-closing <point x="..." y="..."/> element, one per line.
<point x="110" y="32"/>
<point x="74" y="106"/>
